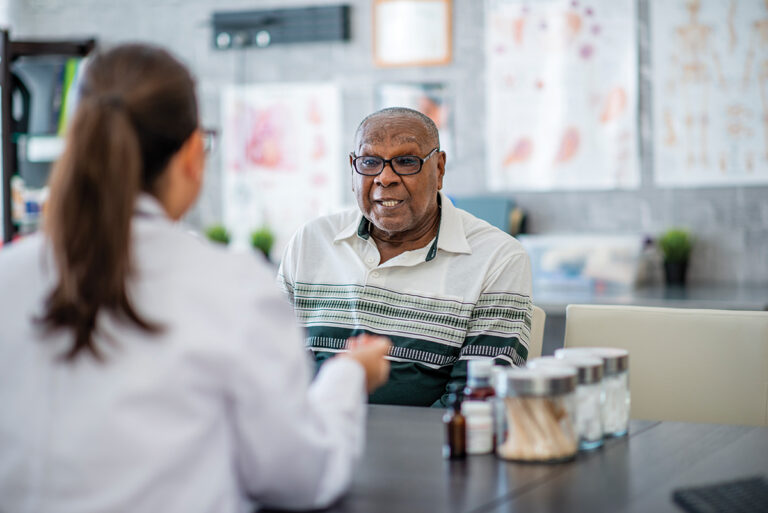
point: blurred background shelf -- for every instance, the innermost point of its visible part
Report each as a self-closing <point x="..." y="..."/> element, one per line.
<point x="35" y="77"/>
<point x="39" y="148"/>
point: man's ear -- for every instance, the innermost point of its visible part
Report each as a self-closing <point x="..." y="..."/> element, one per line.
<point x="440" y="169"/>
<point x="353" y="173"/>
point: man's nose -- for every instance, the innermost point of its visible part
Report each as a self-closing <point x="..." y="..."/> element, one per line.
<point x="387" y="176"/>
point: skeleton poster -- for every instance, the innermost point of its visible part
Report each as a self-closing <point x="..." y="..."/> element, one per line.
<point x="709" y="66"/>
<point x="282" y="158"/>
<point x="562" y="94"/>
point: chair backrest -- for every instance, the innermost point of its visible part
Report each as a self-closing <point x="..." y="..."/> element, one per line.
<point x="684" y="364"/>
<point x="538" y="319"/>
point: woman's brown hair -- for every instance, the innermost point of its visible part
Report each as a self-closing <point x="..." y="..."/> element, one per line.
<point x="137" y="107"/>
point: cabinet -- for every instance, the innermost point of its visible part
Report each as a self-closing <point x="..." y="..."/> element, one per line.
<point x="40" y="148"/>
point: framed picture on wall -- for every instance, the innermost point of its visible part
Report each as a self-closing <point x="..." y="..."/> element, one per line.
<point x="411" y="32"/>
<point x="431" y="99"/>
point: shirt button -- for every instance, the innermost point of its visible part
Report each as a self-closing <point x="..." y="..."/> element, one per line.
<point x="375" y="274"/>
<point x="370" y="260"/>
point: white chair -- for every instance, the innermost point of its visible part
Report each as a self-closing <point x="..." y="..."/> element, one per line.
<point x="538" y="318"/>
<point x="684" y="364"/>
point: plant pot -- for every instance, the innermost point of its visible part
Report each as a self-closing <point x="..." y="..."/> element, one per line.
<point x="674" y="272"/>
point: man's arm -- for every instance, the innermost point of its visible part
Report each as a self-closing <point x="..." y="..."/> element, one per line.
<point x="500" y="326"/>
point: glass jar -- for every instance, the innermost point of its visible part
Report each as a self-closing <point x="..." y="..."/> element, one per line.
<point x="589" y="395"/>
<point x="615" y="385"/>
<point x="539" y="406"/>
<point x="499" y="383"/>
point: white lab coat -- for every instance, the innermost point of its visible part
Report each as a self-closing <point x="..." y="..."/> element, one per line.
<point x="214" y="410"/>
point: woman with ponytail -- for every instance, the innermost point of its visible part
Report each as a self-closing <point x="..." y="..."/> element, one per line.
<point x="142" y="369"/>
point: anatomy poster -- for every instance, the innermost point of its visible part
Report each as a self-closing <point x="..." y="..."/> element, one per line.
<point x="562" y="94"/>
<point x="710" y="92"/>
<point x="429" y="99"/>
<point x="281" y="157"/>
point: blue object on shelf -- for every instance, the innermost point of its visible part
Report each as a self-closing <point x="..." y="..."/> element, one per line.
<point x="493" y="209"/>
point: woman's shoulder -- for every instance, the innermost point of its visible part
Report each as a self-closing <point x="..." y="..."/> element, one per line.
<point x="24" y="252"/>
<point x="191" y="256"/>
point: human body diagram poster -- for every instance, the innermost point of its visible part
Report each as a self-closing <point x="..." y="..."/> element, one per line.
<point x="562" y="94"/>
<point x="710" y="92"/>
<point x="429" y="99"/>
<point x="281" y="151"/>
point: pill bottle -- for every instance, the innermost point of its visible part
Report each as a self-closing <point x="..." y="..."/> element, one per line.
<point x="479" y="420"/>
<point x="455" y="427"/>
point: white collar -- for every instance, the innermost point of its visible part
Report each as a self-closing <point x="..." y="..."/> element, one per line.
<point x="149" y="206"/>
<point x="450" y="234"/>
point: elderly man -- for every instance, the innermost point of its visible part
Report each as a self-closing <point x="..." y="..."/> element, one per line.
<point x="444" y="286"/>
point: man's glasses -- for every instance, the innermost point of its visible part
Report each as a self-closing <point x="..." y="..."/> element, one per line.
<point x="402" y="164"/>
<point x="209" y="140"/>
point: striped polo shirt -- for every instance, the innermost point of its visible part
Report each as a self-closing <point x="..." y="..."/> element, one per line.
<point x="465" y="295"/>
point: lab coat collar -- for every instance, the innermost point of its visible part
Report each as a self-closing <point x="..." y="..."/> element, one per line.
<point x="149" y="206"/>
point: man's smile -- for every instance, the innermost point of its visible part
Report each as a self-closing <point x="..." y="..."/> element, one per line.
<point x="389" y="203"/>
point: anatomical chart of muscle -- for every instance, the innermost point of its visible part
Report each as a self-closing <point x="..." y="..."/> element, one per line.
<point x="710" y="92"/>
<point x="562" y="94"/>
<point x="281" y="157"/>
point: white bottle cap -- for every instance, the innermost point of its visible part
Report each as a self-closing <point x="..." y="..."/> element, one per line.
<point x="479" y="368"/>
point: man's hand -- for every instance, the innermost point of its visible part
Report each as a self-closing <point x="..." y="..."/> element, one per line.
<point x="369" y="351"/>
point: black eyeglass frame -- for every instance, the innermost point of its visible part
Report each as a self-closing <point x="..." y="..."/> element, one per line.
<point x="384" y="162"/>
<point x="210" y="137"/>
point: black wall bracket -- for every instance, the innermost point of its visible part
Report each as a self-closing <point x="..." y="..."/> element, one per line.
<point x="268" y="27"/>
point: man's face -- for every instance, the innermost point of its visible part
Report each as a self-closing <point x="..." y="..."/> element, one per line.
<point x="398" y="205"/>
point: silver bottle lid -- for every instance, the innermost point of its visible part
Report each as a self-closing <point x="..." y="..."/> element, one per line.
<point x="588" y="367"/>
<point x="540" y="382"/>
<point x="615" y="360"/>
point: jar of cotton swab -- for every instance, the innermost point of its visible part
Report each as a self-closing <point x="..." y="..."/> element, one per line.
<point x="540" y="415"/>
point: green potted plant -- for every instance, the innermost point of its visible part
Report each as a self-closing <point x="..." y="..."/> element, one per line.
<point x="263" y="239"/>
<point x="676" y="245"/>
<point x="217" y="233"/>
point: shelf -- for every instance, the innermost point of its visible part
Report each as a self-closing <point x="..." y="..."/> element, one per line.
<point x="31" y="155"/>
<point x="36" y="48"/>
<point x="40" y="148"/>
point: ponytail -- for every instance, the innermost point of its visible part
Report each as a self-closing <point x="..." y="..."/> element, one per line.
<point x="137" y="109"/>
<point x="88" y="219"/>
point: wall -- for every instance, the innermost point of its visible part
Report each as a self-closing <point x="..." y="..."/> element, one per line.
<point x="731" y="224"/>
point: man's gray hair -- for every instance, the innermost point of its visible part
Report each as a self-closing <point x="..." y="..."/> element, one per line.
<point x="403" y="112"/>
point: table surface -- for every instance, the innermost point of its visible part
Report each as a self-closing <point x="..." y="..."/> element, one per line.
<point x="403" y="469"/>
<point x="725" y="297"/>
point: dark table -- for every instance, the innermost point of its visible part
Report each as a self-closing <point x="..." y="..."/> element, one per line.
<point x="403" y="469"/>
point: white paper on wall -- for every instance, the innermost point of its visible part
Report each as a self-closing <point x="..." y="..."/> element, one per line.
<point x="282" y="159"/>
<point x="709" y="65"/>
<point x="561" y="94"/>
